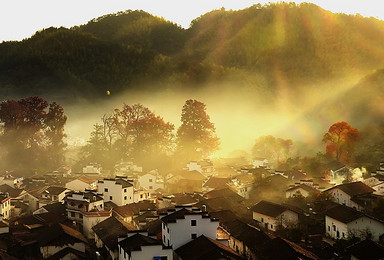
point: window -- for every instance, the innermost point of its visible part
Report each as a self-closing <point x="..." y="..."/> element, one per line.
<point x="334" y="228"/>
<point x="80" y="215"/>
<point x="329" y="228"/>
<point x="125" y="197"/>
<point x="160" y="258"/>
<point x="262" y="220"/>
<point x="105" y="189"/>
<point x="164" y="238"/>
<point x="150" y="180"/>
<point x="168" y="230"/>
<point x="141" y="196"/>
<point x="271" y="226"/>
<point x="193" y="236"/>
<point x="343" y="234"/>
<point x="110" y="197"/>
<point x="73" y="214"/>
<point x="193" y="222"/>
<point x="150" y="187"/>
<point x="125" y="190"/>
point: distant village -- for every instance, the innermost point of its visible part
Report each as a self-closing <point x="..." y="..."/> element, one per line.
<point x="206" y="210"/>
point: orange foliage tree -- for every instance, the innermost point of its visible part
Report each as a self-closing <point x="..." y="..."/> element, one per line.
<point x="341" y="140"/>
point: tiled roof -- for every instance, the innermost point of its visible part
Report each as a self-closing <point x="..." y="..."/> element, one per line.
<point x="134" y="208"/>
<point x="279" y="248"/>
<point x="58" y="208"/>
<point x="223" y="193"/>
<point x="180" y="214"/>
<point x="5" y="188"/>
<point x="268" y="208"/>
<point x="215" y="182"/>
<point x="110" y="229"/>
<point x="87" y="179"/>
<point x="203" y="248"/>
<point x="55" y="190"/>
<point x="54" y="235"/>
<point x="354" y="188"/>
<point x="366" y="249"/>
<point x="135" y="242"/>
<point x="344" y="214"/>
<point x="124" y="183"/>
<point x="304" y="187"/>
<point x="252" y="237"/>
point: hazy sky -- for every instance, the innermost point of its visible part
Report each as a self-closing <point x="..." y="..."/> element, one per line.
<point x="21" y="18"/>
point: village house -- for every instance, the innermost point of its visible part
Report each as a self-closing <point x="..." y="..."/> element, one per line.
<point x="5" y="206"/>
<point x="57" y="238"/>
<point x="203" y="248"/>
<point x="204" y="167"/>
<point x="128" y="212"/>
<point x="300" y="190"/>
<point x="244" y="239"/>
<point x="342" y="222"/>
<point x="82" y="183"/>
<point x="52" y="194"/>
<point x="366" y="249"/>
<point x="108" y="232"/>
<point x="79" y="202"/>
<point x="260" y="162"/>
<point x="185" y="181"/>
<point x="138" y="246"/>
<point x="214" y="183"/>
<point x="271" y="216"/>
<point x="58" y="208"/>
<point x="140" y="195"/>
<point x="17" y="205"/>
<point x="119" y="190"/>
<point x="11" y="180"/>
<point x="151" y="182"/>
<point x="242" y="184"/>
<point x="128" y="168"/>
<point x="92" y="169"/>
<point x="350" y="194"/>
<point x="184" y="225"/>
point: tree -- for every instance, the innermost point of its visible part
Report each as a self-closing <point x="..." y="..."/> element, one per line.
<point x="196" y="137"/>
<point x="341" y="140"/>
<point x="143" y="136"/>
<point x="272" y="148"/>
<point x="32" y="136"/>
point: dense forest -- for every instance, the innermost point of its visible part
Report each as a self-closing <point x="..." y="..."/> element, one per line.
<point x="262" y="46"/>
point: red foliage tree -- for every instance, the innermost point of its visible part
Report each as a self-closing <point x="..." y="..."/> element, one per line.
<point x="341" y="140"/>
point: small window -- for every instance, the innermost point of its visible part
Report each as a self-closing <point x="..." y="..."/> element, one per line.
<point x="334" y="228"/>
<point x="329" y="228"/>
<point x="80" y="215"/>
<point x="110" y="197"/>
<point x="164" y="238"/>
<point x="193" y="236"/>
<point x="150" y="187"/>
<point x="141" y="196"/>
<point x="150" y="180"/>
<point x="168" y="230"/>
<point x="125" y="197"/>
<point x="125" y="190"/>
<point x="105" y="189"/>
<point x="73" y="214"/>
<point x="271" y="226"/>
<point x="262" y="220"/>
<point x="343" y="234"/>
<point x="193" y="222"/>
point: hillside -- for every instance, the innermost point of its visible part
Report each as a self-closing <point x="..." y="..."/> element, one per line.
<point x="265" y="47"/>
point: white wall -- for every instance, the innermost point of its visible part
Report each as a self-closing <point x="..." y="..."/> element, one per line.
<point x="5" y="209"/>
<point x="78" y="185"/>
<point x="120" y="196"/>
<point x="181" y="232"/>
<point x="148" y="182"/>
<point x="343" y="198"/>
<point x="357" y="227"/>
<point x="89" y="222"/>
<point x="288" y="219"/>
<point x="147" y="253"/>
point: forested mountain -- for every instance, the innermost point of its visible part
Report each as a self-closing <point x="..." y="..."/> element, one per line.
<point x="262" y="46"/>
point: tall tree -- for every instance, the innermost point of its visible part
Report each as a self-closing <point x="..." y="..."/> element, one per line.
<point x="31" y="135"/>
<point x="145" y="137"/>
<point x="196" y="137"/>
<point x="272" y="148"/>
<point x="341" y="140"/>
